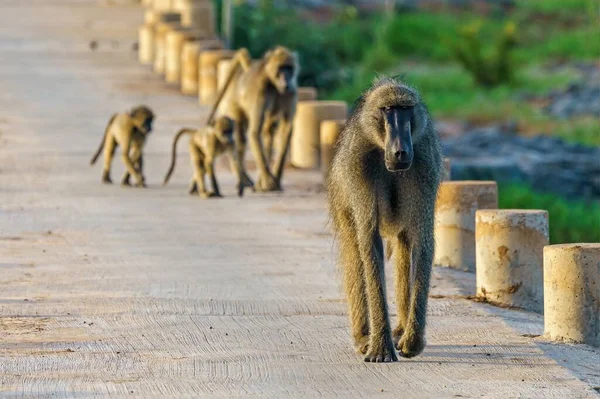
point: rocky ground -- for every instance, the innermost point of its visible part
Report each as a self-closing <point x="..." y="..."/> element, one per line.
<point x="546" y="163"/>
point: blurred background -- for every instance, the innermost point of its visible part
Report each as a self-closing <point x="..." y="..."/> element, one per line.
<point x="513" y="85"/>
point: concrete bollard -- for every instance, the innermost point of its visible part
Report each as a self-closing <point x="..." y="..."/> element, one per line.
<point x="456" y="204"/>
<point x="160" y="33"/>
<point x="509" y="254"/>
<point x="447" y="167"/>
<point x="223" y="68"/>
<point x="330" y="132"/>
<point x="199" y="14"/>
<point x="162" y="5"/>
<point x="152" y="17"/>
<point x="174" y="41"/>
<point x="146" y="44"/>
<point x="189" y="63"/>
<point x="207" y="81"/>
<point x="306" y="137"/>
<point x="572" y="293"/>
<point x="307" y="93"/>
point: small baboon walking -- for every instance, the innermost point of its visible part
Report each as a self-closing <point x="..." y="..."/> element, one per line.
<point x="383" y="183"/>
<point x="206" y="145"/>
<point x="128" y="130"/>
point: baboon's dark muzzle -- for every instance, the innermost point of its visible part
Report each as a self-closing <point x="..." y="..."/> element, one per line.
<point x="399" y="149"/>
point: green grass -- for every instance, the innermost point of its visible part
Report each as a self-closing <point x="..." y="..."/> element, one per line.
<point x="558" y="6"/>
<point x="570" y="221"/>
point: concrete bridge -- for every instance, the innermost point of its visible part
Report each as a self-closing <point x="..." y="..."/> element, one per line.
<point x="153" y="293"/>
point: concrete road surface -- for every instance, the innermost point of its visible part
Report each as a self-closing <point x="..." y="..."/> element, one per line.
<point x="153" y="293"/>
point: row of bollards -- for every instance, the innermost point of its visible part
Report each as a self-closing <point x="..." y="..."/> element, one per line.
<point x="515" y="266"/>
<point x="507" y="249"/>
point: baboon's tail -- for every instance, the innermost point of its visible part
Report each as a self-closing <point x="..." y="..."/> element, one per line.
<point x="97" y="154"/>
<point x="174" y="151"/>
<point x="241" y="59"/>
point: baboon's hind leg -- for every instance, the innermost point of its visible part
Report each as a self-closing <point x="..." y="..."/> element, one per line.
<point x="199" y="171"/>
<point x="354" y="284"/>
<point x="401" y="258"/>
<point x="109" y="151"/>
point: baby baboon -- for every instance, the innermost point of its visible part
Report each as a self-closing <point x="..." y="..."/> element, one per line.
<point x="128" y="130"/>
<point x="383" y="182"/>
<point x="205" y="146"/>
<point x="265" y="93"/>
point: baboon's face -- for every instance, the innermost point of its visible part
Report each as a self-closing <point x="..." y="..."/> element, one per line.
<point x="392" y="119"/>
<point x="143" y="118"/>
<point x="282" y="69"/>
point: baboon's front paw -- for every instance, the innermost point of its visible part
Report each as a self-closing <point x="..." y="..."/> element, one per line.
<point x="410" y="345"/>
<point x="214" y="195"/>
<point x="107" y="180"/>
<point x="361" y="344"/>
<point x="125" y="183"/>
<point x="203" y="194"/>
<point x="382" y="353"/>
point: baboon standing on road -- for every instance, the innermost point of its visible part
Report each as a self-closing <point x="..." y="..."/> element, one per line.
<point x="383" y="183"/>
<point x="260" y="99"/>
<point x="130" y="131"/>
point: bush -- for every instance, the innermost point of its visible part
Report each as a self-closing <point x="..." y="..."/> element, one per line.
<point x="323" y="49"/>
<point x="487" y="69"/>
<point x="570" y="221"/>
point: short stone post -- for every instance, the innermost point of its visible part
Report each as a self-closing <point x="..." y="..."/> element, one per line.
<point x="456" y="204"/>
<point x="147" y="35"/>
<point x="199" y="14"/>
<point x="207" y="81"/>
<point x="330" y="132"/>
<point x="162" y="5"/>
<point x="572" y="293"/>
<point x="152" y="17"/>
<point x="223" y="68"/>
<point x="307" y="93"/>
<point x="509" y="253"/>
<point x="160" y="53"/>
<point x="190" y="55"/>
<point x="306" y="136"/>
<point x="174" y="41"/>
<point x="146" y="44"/>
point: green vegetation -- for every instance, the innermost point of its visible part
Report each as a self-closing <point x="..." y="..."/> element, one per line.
<point x="570" y="221"/>
<point x="489" y="79"/>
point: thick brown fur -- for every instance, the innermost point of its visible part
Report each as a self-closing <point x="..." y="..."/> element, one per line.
<point x="206" y="145"/>
<point x="262" y="101"/>
<point x="130" y="131"/>
<point x="382" y="184"/>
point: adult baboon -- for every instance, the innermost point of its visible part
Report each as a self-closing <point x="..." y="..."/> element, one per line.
<point x="205" y="146"/>
<point x="128" y="130"/>
<point x="266" y="92"/>
<point x="383" y="182"/>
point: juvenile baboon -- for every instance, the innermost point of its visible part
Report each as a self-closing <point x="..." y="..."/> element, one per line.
<point x="383" y="183"/>
<point x="128" y="130"/>
<point x="261" y="100"/>
<point x="206" y="145"/>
